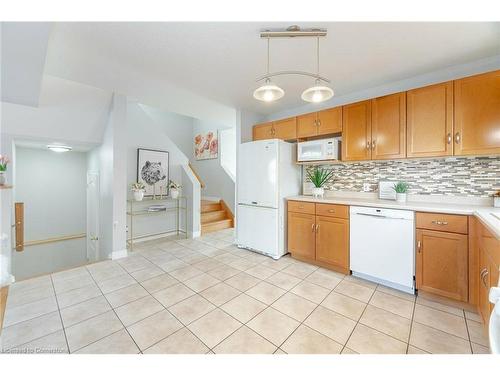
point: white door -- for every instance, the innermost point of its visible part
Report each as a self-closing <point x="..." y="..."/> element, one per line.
<point x="92" y="216"/>
<point x="258" y="174"/>
<point x="258" y="229"/>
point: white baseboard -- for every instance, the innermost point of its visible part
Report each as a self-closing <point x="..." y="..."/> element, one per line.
<point x="215" y="199"/>
<point x="155" y="237"/>
<point x="10" y="279"/>
<point x="119" y="254"/>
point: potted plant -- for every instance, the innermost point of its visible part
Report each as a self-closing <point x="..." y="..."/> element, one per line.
<point x="319" y="177"/>
<point x="4" y="160"/>
<point x="401" y="189"/>
<point x="174" y="189"/>
<point x="138" y="189"/>
<point x="496" y="199"/>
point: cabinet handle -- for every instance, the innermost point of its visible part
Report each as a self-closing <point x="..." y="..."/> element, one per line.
<point x="419" y="246"/>
<point x="437" y="222"/>
<point x="368" y="145"/>
<point x="373" y="145"/>
<point x="315" y="122"/>
<point x="301" y="207"/>
<point x="483" y="277"/>
<point x="448" y="137"/>
<point x="312" y="227"/>
<point x="457" y="138"/>
<point x="319" y="123"/>
<point x="332" y="211"/>
<point x="317" y="228"/>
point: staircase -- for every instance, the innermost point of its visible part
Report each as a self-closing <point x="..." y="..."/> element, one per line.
<point x="215" y="216"/>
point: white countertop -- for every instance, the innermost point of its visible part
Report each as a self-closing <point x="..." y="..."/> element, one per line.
<point x="483" y="213"/>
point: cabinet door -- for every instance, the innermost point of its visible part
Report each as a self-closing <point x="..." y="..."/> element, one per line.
<point x="477" y="114"/>
<point x="286" y="129"/>
<point x="263" y="131"/>
<point x="301" y="235"/>
<point x="307" y="125"/>
<point x="389" y="127"/>
<point x="442" y="264"/>
<point x="356" y="131"/>
<point x="332" y="241"/>
<point x="330" y="121"/>
<point x="429" y="122"/>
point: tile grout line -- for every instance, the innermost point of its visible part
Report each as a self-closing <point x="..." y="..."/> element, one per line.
<point x="60" y="316"/>
<point x="411" y="323"/>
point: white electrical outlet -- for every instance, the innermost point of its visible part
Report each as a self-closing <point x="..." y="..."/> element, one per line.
<point x="366" y="187"/>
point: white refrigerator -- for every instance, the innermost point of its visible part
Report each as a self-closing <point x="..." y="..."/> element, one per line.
<point x="267" y="174"/>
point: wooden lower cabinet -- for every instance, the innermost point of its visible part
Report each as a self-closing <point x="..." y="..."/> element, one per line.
<point x="302" y="235"/>
<point x="318" y="239"/>
<point x="442" y="264"/>
<point x="332" y="241"/>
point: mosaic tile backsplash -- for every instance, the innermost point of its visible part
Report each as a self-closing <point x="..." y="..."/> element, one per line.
<point x="456" y="176"/>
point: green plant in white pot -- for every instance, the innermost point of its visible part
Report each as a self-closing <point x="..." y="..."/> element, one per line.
<point x="174" y="189"/>
<point x="138" y="189"/>
<point x="4" y="160"/>
<point x="319" y="177"/>
<point x="401" y="189"/>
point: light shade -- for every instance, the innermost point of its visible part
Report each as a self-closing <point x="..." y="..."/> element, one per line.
<point x="317" y="93"/>
<point x="268" y="92"/>
<point x="59" y="148"/>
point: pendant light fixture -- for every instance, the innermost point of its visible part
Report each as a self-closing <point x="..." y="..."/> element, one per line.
<point x="268" y="92"/>
<point x="317" y="93"/>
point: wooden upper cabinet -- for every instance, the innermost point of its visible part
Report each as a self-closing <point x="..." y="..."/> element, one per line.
<point x="330" y="121"/>
<point x="332" y="241"/>
<point x="442" y="261"/>
<point x="477" y="114"/>
<point x="429" y="119"/>
<point x="389" y="127"/>
<point x="263" y="131"/>
<point x="286" y="129"/>
<point x="356" y="136"/>
<point x="301" y="235"/>
<point x="307" y="125"/>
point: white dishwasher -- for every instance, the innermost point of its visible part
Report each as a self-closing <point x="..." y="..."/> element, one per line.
<point x="382" y="246"/>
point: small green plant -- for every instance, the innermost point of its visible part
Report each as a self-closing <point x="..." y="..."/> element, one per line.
<point x="319" y="176"/>
<point x="401" y="187"/>
<point x="4" y="160"/>
<point x="174" y="185"/>
<point x="138" y="186"/>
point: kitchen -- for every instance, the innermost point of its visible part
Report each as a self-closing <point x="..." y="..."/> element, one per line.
<point x="402" y="192"/>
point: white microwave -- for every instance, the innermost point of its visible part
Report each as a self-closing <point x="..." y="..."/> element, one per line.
<point x="319" y="149"/>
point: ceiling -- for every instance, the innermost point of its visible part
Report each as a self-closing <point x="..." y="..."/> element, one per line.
<point x="220" y="61"/>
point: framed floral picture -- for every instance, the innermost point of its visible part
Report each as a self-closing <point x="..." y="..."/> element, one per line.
<point x="206" y="145"/>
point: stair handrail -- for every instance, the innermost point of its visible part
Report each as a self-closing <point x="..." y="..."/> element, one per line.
<point x="202" y="184"/>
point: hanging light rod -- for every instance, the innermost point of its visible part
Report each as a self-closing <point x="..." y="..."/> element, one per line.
<point x="292" y="31"/>
<point x="292" y="72"/>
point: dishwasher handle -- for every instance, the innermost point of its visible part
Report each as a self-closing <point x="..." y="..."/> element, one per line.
<point x="379" y="216"/>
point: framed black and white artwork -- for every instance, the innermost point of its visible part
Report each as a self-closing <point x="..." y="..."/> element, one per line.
<point x="152" y="171"/>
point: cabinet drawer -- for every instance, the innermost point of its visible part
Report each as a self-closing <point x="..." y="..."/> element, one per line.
<point x="304" y="207"/>
<point x="442" y="222"/>
<point x="333" y="210"/>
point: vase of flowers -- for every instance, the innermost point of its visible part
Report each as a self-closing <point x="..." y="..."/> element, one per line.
<point x="401" y="189"/>
<point x="319" y="177"/>
<point x="174" y="189"/>
<point x="138" y="189"/>
<point x="4" y="160"/>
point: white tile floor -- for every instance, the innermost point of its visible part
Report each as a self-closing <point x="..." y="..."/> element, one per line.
<point x="207" y="296"/>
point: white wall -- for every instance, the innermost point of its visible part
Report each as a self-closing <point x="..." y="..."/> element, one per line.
<point x="53" y="189"/>
<point x="144" y="130"/>
<point x="217" y="182"/>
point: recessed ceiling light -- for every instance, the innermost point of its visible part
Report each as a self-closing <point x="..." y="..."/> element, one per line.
<point x="59" y="148"/>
